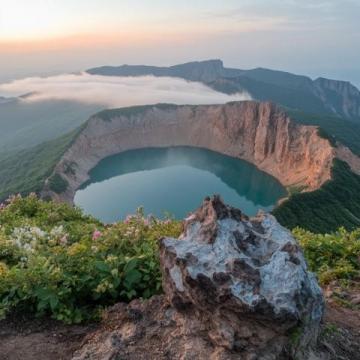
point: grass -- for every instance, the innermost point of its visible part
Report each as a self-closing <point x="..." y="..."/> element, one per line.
<point x="56" y="261"/>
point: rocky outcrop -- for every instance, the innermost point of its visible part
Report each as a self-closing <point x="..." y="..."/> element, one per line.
<point x="234" y="288"/>
<point x="260" y="133"/>
<point x="340" y="97"/>
<point x="246" y="279"/>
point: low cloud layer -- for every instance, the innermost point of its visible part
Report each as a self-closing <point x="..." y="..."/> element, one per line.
<point x="117" y="91"/>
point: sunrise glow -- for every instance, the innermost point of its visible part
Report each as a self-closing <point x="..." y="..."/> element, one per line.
<point x="75" y="34"/>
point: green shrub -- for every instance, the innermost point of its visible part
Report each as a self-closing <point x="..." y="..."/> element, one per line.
<point x="333" y="256"/>
<point x="55" y="260"/>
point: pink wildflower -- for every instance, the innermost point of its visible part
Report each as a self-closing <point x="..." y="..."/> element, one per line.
<point x="128" y="219"/>
<point x="96" y="234"/>
<point x="64" y="240"/>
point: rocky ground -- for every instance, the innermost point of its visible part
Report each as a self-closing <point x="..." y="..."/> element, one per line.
<point x="234" y="288"/>
<point x="35" y="339"/>
<point x="26" y="338"/>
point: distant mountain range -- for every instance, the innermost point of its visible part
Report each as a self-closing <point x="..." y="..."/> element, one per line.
<point x="297" y="92"/>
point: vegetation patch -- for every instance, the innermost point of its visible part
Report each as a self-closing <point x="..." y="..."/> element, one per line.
<point x="55" y="260"/>
<point x="335" y="204"/>
<point x="25" y="171"/>
<point x="58" y="184"/>
<point x="323" y="134"/>
<point x="334" y="257"/>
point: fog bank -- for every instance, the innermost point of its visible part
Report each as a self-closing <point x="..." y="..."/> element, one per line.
<point x="116" y="91"/>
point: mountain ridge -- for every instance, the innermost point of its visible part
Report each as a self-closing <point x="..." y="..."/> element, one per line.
<point x="320" y="95"/>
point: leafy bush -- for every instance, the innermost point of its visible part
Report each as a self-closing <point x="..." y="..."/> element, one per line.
<point x="55" y="260"/>
<point x="333" y="256"/>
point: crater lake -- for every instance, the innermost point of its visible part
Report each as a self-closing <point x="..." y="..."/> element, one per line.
<point x="174" y="181"/>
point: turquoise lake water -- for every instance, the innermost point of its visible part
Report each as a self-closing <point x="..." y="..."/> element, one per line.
<point x="174" y="180"/>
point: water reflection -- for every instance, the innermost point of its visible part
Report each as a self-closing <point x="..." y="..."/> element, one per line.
<point x="132" y="175"/>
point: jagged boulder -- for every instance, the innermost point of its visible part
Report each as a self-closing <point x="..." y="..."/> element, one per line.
<point x="235" y="288"/>
<point x="247" y="281"/>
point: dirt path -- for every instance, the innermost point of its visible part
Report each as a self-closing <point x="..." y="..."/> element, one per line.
<point x="39" y="339"/>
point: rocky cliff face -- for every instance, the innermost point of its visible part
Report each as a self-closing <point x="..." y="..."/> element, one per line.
<point x="235" y="288"/>
<point x="257" y="132"/>
<point x="341" y="97"/>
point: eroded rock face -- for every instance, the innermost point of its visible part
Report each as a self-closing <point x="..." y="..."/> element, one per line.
<point x="259" y="133"/>
<point x="341" y="97"/>
<point x="247" y="281"/>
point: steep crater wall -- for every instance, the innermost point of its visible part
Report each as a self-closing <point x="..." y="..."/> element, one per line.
<point x="260" y="133"/>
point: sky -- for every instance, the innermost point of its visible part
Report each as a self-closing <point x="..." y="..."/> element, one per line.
<point x="315" y="38"/>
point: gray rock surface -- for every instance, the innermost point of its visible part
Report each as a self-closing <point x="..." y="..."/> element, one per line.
<point x="235" y="288"/>
<point x="246" y="279"/>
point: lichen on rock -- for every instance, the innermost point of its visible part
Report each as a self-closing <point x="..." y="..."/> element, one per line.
<point x="246" y="279"/>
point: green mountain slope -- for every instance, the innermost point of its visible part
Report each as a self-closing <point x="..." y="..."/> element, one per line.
<point x="335" y="204"/>
<point x="295" y="98"/>
<point x="26" y="170"/>
<point x="25" y="124"/>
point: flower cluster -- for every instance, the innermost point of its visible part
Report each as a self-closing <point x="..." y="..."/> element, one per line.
<point x="149" y="220"/>
<point x="69" y="265"/>
<point x="29" y="238"/>
<point x="96" y="234"/>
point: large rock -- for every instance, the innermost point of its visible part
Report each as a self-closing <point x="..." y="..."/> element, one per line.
<point x="235" y="288"/>
<point x="246" y="280"/>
